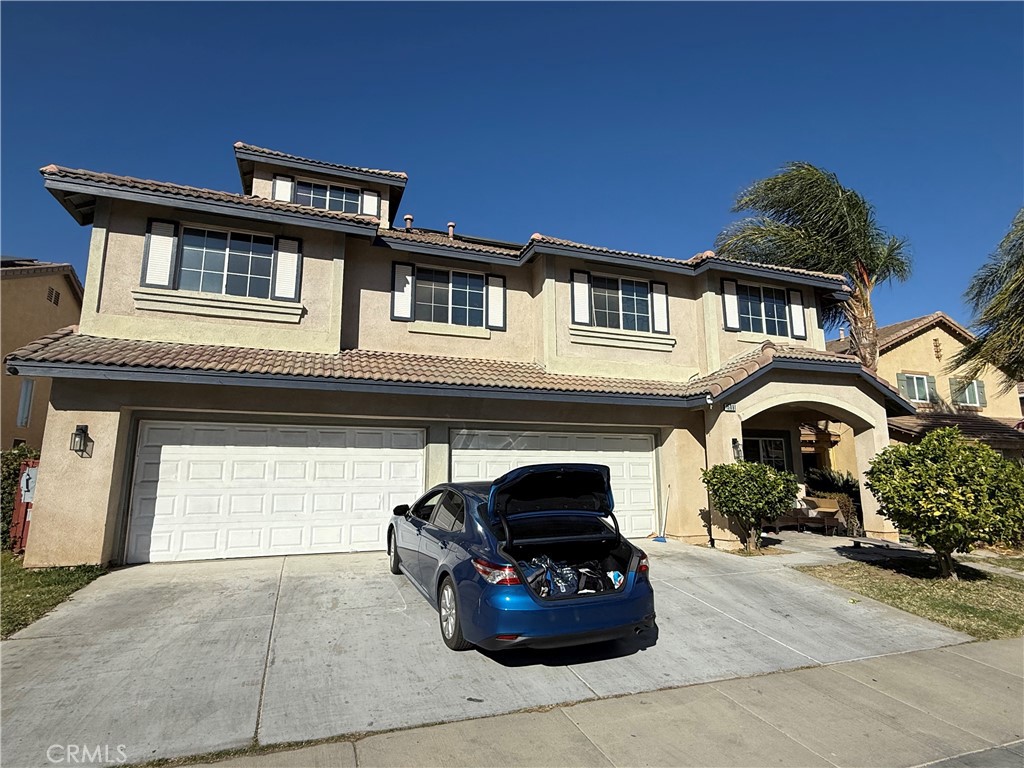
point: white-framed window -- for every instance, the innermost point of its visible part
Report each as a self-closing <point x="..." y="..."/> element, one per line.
<point x="917" y="388"/>
<point x="25" y="402"/>
<point x="621" y="303"/>
<point x="226" y="262"/>
<point x="766" y="450"/>
<point x="452" y="297"/>
<point x="965" y="393"/>
<point x="328" y="197"/>
<point x="763" y="309"/>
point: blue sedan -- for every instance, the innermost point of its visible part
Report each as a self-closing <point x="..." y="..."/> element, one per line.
<point x="533" y="559"/>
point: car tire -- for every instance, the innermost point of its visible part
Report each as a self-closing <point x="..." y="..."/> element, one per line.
<point x="450" y="621"/>
<point x="393" y="559"/>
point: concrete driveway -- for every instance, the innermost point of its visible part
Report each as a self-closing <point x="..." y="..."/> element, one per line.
<point x="184" y="658"/>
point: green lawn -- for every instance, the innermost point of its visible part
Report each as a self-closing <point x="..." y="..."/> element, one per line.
<point x="984" y="605"/>
<point x="26" y="595"/>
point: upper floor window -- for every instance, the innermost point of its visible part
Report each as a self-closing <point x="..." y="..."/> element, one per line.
<point x="328" y="197"/>
<point x="450" y="297"/>
<point x="621" y="303"/>
<point x="763" y="309"/>
<point x="970" y="393"/>
<point x="917" y="388"/>
<point x="232" y="263"/>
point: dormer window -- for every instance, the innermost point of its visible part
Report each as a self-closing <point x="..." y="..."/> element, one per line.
<point x="763" y="309"/>
<point x="328" y="197"/>
<point x="619" y="303"/>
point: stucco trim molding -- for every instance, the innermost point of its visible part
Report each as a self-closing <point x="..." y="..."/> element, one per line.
<point x="213" y="305"/>
<point x="605" y="337"/>
<point x="444" y="329"/>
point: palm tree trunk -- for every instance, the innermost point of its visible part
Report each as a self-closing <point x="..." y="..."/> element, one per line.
<point x="863" y="328"/>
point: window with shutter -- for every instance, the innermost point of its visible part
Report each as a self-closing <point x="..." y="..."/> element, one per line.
<point x="403" y="277"/>
<point x="287" y="269"/>
<point x="496" y="312"/>
<point x="158" y="261"/>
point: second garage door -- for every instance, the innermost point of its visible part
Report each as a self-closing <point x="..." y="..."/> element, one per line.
<point x="487" y="454"/>
<point x="208" y="490"/>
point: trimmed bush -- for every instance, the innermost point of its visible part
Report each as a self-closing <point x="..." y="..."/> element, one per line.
<point x="949" y="493"/>
<point x="750" y="495"/>
<point x="11" y="468"/>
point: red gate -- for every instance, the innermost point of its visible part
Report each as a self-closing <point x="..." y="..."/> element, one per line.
<point x="23" y="504"/>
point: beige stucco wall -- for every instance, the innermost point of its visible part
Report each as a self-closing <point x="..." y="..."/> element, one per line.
<point x="79" y="514"/>
<point x="116" y="254"/>
<point x="920" y="355"/>
<point x="367" y="323"/>
<point x="27" y="315"/>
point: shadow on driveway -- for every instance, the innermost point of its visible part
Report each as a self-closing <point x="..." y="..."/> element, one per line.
<point x="580" y="654"/>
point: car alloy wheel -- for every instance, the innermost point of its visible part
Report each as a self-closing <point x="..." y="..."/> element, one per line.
<point x="448" y="608"/>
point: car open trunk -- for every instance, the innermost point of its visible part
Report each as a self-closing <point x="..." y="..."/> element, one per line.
<point x="556" y="525"/>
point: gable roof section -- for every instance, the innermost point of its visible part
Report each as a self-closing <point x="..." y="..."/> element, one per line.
<point x="68" y="353"/>
<point x="11" y="268"/>
<point x="77" y="190"/>
<point x="998" y="433"/>
<point x="891" y="335"/>
<point x="243" y="150"/>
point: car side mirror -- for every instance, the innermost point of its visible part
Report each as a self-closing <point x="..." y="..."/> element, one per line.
<point x="401" y="509"/>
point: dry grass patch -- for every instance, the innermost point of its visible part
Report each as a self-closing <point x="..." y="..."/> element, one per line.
<point x="986" y="606"/>
<point x="27" y="595"/>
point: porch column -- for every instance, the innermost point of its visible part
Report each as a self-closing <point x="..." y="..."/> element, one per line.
<point x="869" y="442"/>
<point x="438" y="460"/>
<point x="721" y="428"/>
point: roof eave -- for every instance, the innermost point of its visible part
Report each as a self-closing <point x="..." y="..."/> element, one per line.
<point x="298" y="164"/>
<point x="62" y="189"/>
<point x="441" y="251"/>
<point x="136" y="373"/>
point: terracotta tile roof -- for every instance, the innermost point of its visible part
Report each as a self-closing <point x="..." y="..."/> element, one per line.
<point x="68" y="346"/>
<point x="1020" y="389"/>
<point x="430" y="237"/>
<point x="693" y="260"/>
<point x="995" y="432"/>
<point x="890" y="335"/>
<point x="197" y="193"/>
<point x="273" y="153"/>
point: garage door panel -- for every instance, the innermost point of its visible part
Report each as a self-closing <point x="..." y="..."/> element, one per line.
<point x="223" y="490"/>
<point x="488" y="454"/>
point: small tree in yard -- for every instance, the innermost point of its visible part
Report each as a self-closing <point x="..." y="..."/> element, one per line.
<point x="948" y="493"/>
<point x="750" y="495"/>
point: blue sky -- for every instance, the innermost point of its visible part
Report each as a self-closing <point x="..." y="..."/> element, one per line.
<point x="630" y="126"/>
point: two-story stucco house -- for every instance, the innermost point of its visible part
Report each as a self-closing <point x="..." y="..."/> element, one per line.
<point x="272" y="371"/>
<point x="36" y="297"/>
<point x="915" y="354"/>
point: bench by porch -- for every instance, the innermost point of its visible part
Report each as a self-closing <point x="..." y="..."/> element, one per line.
<point x="812" y="512"/>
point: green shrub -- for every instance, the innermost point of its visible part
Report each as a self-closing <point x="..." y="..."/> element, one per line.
<point x="750" y="495"/>
<point x="826" y="481"/>
<point x="11" y="469"/>
<point x="948" y="493"/>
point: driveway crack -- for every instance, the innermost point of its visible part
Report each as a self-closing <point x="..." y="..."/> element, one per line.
<point x="266" y="662"/>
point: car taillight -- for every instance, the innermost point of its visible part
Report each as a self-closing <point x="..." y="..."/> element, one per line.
<point x="502" y="575"/>
<point x="644" y="566"/>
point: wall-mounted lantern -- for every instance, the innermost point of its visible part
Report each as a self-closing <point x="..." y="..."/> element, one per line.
<point x="81" y="443"/>
<point x="737" y="449"/>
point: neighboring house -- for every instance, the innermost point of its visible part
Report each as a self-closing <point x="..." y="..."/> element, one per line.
<point x="914" y="353"/>
<point x="36" y="297"/>
<point x="271" y="372"/>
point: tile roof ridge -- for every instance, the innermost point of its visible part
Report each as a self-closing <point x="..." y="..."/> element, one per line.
<point x="328" y="163"/>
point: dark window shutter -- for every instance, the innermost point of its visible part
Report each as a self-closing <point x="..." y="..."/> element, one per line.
<point x="901" y="383"/>
<point x="956" y="391"/>
<point x="982" y="400"/>
<point x="933" y="391"/>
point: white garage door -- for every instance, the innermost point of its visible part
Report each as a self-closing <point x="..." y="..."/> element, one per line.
<point x="486" y="455"/>
<point x="205" y="491"/>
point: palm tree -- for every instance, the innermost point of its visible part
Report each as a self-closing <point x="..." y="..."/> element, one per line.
<point x="996" y="295"/>
<point x="805" y="218"/>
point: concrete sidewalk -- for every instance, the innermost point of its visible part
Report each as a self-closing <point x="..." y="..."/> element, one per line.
<point x="958" y="707"/>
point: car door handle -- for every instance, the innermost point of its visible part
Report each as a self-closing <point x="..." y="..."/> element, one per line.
<point x="442" y="544"/>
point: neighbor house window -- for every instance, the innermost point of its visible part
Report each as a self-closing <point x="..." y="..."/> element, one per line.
<point x="453" y="297"/>
<point x="917" y="388"/>
<point x="766" y="450"/>
<point x="25" y="402"/>
<point x="327" y="196"/>
<point x="621" y="303"/>
<point x="232" y="263"/>
<point x="967" y="394"/>
<point x="763" y="310"/>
